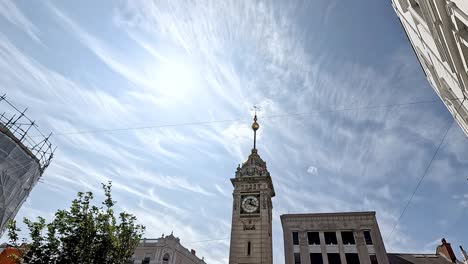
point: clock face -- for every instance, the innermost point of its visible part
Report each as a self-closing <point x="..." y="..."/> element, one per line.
<point x="250" y="204"/>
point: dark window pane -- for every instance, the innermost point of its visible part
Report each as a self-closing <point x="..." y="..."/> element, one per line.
<point x="352" y="258"/>
<point x="367" y="237"/>
<point x="146" y="260"/>
<point x="348" y="238"/>
<point x="313" y="238"/>
<point x="316" y="258"/>
<point x="330" y="238"/>
<point x="373" y="259"/>
<point x="297" y="258"/>
<point x="295" y="238"/>
<point x="248" y="248"/>
<point x="334" y="258"/>
<point x="166" y="258"/>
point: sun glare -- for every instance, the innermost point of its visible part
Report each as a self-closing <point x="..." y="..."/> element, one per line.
<point x="175" y="81"/>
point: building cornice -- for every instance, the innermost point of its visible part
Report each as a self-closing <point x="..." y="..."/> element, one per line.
<point x="328" y="216"/>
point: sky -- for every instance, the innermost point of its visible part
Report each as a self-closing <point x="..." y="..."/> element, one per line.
<point x="101" y="65"/>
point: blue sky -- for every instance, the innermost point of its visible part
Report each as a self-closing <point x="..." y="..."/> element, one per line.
<point x="93" y="65"/>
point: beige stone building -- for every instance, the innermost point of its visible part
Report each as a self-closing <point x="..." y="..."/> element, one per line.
<point x="251" y="236"/>
<point x="438" y="32"/>
<point x="164" y="250"/>
<point x="333" y="238"/>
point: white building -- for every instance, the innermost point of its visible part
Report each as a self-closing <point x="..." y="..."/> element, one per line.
<point x="164" y="250"/>
<point x="437" y="30"/>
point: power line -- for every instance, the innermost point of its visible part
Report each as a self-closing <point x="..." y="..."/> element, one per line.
<point x="358" y="108"/>
<point x="240" y="119"/>
<point x="424" y="174"/>
<point x="147" y="127"/>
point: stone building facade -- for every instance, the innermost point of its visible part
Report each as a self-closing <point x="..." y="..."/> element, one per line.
<point x="164" y="250"/>
<point x="438" y="32"/>
<point x="333" y="238"/>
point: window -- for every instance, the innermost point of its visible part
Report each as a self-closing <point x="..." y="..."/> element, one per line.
<point x="316" y="258"/>
<point x="352" y="258"/>
<point x="248" y="248"/>
<point x="460" y="25"/>
<point x="415" y="5"/>
<point x="313" y="238"/>
<point x="334" y="258"/>
<point x="166" y="258"/>
<point x="330" y="238"/>
<point x="367" y="237"/>
<point x="147" y="258"/>
<point x="295" y="238"/>
<point x="373" y="259"/>
<point x="297" y="258"/>
<point x="348" y="238"/>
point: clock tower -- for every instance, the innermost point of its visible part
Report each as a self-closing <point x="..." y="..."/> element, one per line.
<point x="251" y="236"/>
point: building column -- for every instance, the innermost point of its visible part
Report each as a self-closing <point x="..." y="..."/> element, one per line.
<point x="304" y="247"/>
<point x="288" y="244"/>
<point x="340" y="247"/>
<point x="362" y="247"/>
<point x="323" y="247"/>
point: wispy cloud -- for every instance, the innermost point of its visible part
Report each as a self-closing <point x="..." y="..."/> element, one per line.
<point x="100" y="49"/>
<point x="169" y="182"/>
<point x="10" y="12"/>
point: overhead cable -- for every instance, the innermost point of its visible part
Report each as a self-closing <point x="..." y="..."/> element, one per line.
<point x="424" y="174"/>
<point x="240" y="119"/>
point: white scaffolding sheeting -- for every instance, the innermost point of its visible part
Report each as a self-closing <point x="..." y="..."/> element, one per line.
<point x="19" y="172"/>
<point x="24" y="155"/>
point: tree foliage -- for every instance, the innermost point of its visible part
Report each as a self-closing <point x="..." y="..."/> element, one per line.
<point x="84" y="233"/>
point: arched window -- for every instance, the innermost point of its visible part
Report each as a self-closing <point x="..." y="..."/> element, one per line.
<point x="166" y="258"/>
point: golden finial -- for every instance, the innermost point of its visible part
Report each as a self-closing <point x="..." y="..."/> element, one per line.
<point x="255" y="125"/>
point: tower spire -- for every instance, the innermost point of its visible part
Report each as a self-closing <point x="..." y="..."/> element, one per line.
<point x="255" y="127"/>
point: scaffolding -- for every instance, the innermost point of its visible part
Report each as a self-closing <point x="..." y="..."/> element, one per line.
<point x="25" y="153"/>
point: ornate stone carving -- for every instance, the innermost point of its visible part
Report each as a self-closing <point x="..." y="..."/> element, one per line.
<point x="249" y="224"/>
<point x="254" y="166"/>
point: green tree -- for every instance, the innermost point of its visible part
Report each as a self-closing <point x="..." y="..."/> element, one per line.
<point x="82" y="234"/>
